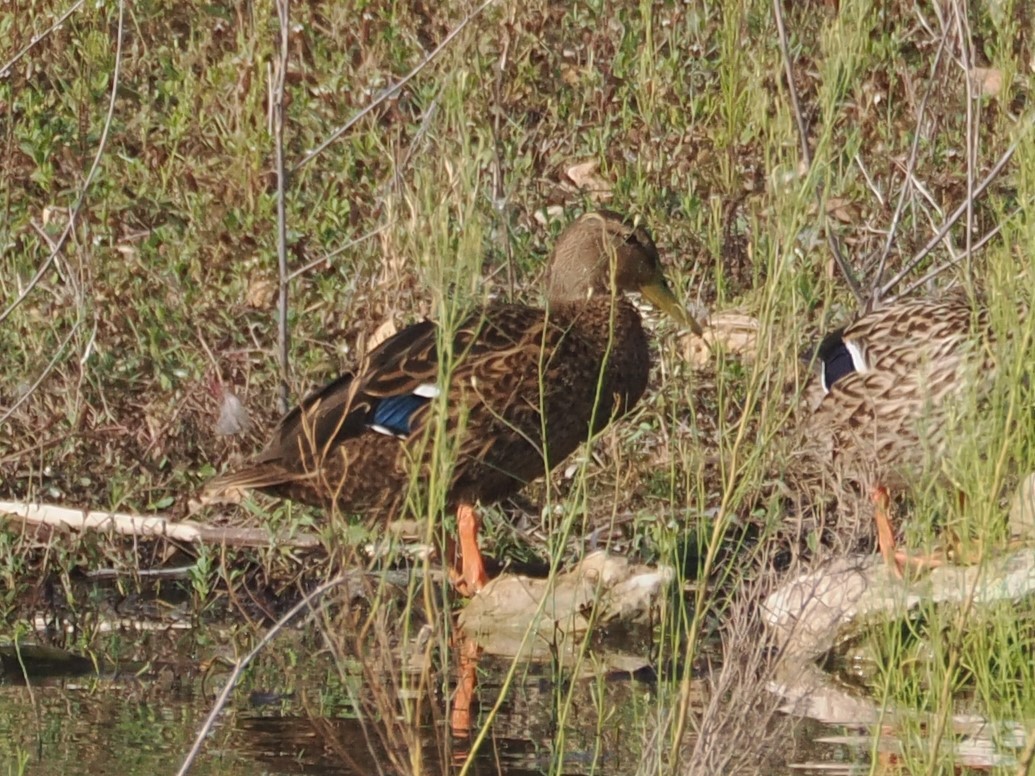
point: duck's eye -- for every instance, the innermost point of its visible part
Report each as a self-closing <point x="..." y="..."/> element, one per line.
<point x="634" y="238"/>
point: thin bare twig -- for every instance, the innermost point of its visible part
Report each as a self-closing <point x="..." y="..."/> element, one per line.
<point x="869" y="179"/>
<point x="151" y="526"/>
<point x="391" y="90"/>
<point x="396" y="178"/>
<point x="74" y="213"/>
<point x="960" y="12"/>
<point x="925" y="193"/>
<point x="46" y="371"/>
<point x="235" y="675"/>
<point x="910" y="168"/>
<point x="950" y="264"/>
<point x="806" y="154"/>
<point x="277" y="105"/>
<point x="326" y="258"/>
<point x="499" y="191"/>
<point x="979" y="189"/>
<point x="6" y="69"/>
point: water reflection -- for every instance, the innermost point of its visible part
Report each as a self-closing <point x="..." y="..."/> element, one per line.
<point x="135" y="702"/>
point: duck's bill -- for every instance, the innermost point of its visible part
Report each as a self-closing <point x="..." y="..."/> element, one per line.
<point x="661" y="296"/>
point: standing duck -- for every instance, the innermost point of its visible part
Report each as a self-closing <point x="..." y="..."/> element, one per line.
<point x="893" y="384"/>
<point x="525" y="387"/>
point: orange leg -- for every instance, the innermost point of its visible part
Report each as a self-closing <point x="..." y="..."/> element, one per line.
<point x="885" y="534"/>
<point x="471" y="576"/>
<point x="896" y="559"/>
<point x="467" y="681"/>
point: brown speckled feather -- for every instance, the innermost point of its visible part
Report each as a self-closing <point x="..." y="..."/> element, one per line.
<point x="516" y="371"/>
<point x="889" y="420"/>
<point x="494" y="395"/>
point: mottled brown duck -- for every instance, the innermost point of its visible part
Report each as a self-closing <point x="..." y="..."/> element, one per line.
<point x="893" y="386"/>
<point x="525" y="388"/>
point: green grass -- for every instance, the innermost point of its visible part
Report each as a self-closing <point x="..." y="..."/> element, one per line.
<point x="159" y="290"/>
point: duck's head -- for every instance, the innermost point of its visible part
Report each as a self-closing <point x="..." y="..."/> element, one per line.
<point x="600" y="253"/>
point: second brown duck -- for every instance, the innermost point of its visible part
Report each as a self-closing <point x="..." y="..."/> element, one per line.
<point x="893" y="383"/>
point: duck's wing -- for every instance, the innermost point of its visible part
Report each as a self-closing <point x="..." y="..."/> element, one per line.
<point x="501" y="369"/>
<point x="386" y="396"/>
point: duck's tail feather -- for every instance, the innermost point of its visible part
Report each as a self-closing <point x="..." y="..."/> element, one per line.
<point x="230" y="486"/>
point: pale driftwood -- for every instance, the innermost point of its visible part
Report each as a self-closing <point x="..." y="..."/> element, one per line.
<point x="976" y="742"/>
<point x="817" y="611"/>
<point x="150" y="526"/>
<point x="46" y="624"/>
<point x="811" y="614"/>
<point x="518" y="615"/>
<point x="731" y="332"/>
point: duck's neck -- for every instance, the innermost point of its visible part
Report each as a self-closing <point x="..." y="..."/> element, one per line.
<point x="612" y="328"/>
<point x="571" y="306"/>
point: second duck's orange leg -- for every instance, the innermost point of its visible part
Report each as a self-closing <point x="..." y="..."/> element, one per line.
<point x="885" y="534"/>
<point x="468" y="524"/>
<point x="896" y="559"/>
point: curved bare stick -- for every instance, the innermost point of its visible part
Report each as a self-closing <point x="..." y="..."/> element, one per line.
<point x="231" y="682"/>
<point x="806" y="154"/>
<point x="391" y="90"/>
<point x="46" y="371"/>
<point x="60" y="243"/>
<point x="6" y="69"/>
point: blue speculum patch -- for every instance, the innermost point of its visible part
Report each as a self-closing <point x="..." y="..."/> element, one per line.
<point x="393" y="414"/>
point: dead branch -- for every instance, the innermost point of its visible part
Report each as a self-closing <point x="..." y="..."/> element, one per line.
<point x="806" y="153"/>
<point x="77" y="208"/>
<point x="150" y="526"/>
<point x="277" y="119"/>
